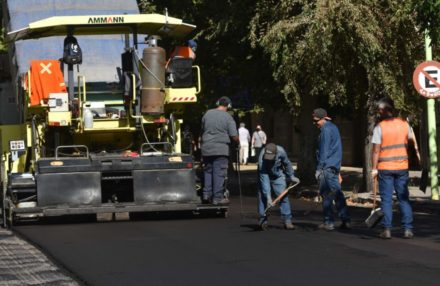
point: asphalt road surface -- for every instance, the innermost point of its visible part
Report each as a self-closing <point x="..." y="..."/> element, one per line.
<point x="181" y="249"/>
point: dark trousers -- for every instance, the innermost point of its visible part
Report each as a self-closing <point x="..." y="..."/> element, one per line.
<point x="257" y="154"/>
<point x="215" y="172"/>
<point x="330" y="190"/>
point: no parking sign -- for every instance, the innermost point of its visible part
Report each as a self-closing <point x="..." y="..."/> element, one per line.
<point x="426" y="79"/>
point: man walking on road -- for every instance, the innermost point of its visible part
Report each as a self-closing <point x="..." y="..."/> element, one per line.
<point x="329" y="157"/>
<point x="218" y="127"/>
<point x="245" y="138"/>
<point x="390" y="165"/>
<point x="258" y="140"/>
<point x="273" y="169"/>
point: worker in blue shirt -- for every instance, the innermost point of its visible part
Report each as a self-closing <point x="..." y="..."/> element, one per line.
<point x="329" y="157"/>
<point x="273" y="169"/>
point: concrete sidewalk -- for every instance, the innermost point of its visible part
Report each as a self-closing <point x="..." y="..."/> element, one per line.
<point x="352" y="181"/>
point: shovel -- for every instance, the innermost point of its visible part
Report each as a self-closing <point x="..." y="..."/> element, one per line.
<point x="376" y="213"/>
<point x="277" y="200"/>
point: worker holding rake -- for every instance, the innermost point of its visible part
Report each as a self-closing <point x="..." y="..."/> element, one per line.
<point x="273" y="169"/>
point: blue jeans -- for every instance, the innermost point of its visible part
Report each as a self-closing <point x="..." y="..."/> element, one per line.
<point x="390" y="181"/>
<point x="330" y="190"/>
<point x="278" y="185"/>
<point x="215" y="172"/>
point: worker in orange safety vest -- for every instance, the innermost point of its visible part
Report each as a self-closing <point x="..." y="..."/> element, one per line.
<point x="390" y="165"/>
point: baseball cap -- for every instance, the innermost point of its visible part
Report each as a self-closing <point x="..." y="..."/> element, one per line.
<point x="321" y="113"/>
<point x="224" y="101"/>
<point x="192" y="44"/>
<point x="270" y="152"/>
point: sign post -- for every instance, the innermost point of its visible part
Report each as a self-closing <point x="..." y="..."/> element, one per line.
<point x="426" y="80"/>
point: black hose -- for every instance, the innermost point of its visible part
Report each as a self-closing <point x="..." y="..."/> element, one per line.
<point x="34" y="136"/>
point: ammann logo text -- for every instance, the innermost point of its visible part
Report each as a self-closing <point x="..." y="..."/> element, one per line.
<point x="105" y="20"/>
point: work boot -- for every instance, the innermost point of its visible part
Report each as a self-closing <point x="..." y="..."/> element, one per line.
<point x="385" y="234"/>
<point x="346" y="225"/>
<point x="206" y="200"/>
<point x="327" y="226"/>
<point x="221" y="202"/>
<point x="408" y="234"/>
<point x="288" y="225"/>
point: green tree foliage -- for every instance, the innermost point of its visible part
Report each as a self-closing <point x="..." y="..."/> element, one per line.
<point x="339" y="50"/>
<point x="3" y="47"/>
<point x="428" y="17"/>
<point x="343" y="53"/>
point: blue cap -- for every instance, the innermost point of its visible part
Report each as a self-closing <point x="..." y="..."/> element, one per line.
<point x="192" y="44"/>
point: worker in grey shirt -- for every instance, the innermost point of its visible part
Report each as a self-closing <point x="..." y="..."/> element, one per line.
<point x="218" y="127"/>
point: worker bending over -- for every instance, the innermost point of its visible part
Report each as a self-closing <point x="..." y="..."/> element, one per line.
<point x="273" y="169"/>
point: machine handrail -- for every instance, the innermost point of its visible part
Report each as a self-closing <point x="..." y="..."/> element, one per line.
<point x="133" y="77"/>
<point x="81" y="79"/>
<point x="29" y="86"/>
<point x="71" y="147"/>
<point x="130" y="110"/>
<point x="199" y="81"/>
<point x="82" y="96"/>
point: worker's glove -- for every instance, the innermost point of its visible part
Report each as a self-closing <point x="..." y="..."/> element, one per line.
<point x="318" y="174"/>
<point x="374" y="173"/>
<point x="294" y="180"/>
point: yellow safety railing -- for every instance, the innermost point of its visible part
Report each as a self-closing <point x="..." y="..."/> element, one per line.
<point x="81" y="98"/>
<point x="29" y="86"/>
<point x="82" y="101"/>
<point x="199" y="81"/>
<point x="130" y="109"/>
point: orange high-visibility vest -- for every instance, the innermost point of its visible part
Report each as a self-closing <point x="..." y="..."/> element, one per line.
<point x="183" y="52"/>
<point x="393" y="150"/>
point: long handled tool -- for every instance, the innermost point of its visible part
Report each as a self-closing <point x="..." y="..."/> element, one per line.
<point x="376" y="214"/>
<point x="239" y="182"/>
<point x="278" y="199"/>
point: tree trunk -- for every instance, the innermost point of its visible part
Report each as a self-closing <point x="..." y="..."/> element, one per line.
<point x="308" y="136"/>
<point x="370" y="122"/>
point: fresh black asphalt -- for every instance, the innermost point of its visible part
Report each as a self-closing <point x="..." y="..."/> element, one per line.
<point x="182" y="249"/>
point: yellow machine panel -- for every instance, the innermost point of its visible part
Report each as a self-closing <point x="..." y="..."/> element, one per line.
<point x="59" y="118"/>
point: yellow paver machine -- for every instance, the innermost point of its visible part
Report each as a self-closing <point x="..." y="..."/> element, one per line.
<point x="91" y="146"/>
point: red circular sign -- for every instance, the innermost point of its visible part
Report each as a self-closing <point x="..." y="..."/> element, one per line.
<point x="426" y="79"/>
